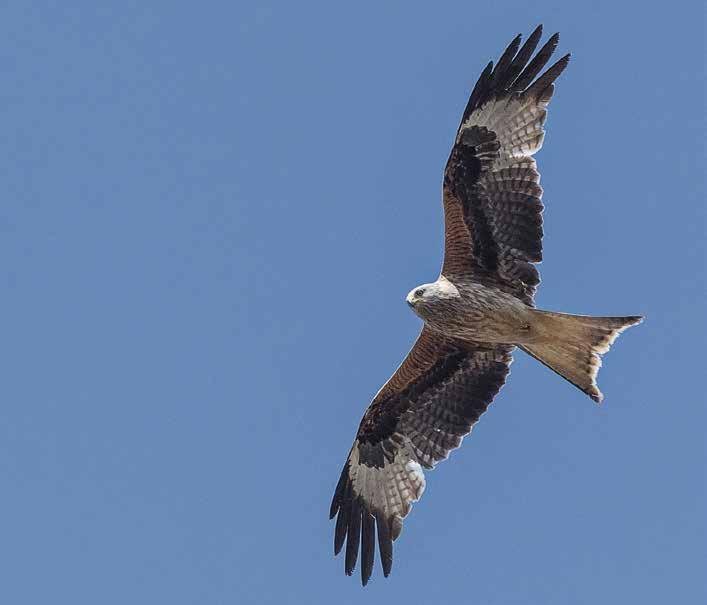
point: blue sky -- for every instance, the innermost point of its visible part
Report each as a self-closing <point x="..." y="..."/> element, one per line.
<point x="211" y="216"/>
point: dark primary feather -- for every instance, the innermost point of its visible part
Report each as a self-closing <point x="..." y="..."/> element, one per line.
<point x="385" y="544"/>
<point x="368" y="547"/>
<point x="480" y="88"/>
<point x="547" y="79"/>
<point x="342" y="494"/>
<point x="534" y="67"/>
<point x="521" y="59"/>
<point x="353" y="535"/>
<point x="500" y="72"/>
<point x="492" y="196"/>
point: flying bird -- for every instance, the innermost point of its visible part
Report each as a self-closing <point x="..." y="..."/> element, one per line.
<point x="477" y="311"/>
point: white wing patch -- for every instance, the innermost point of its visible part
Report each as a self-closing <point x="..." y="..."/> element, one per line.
<point x="391" y="489"/>
<point x="517" y="122"/>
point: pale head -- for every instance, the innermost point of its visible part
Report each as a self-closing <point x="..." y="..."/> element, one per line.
<point x="426" y="299"/>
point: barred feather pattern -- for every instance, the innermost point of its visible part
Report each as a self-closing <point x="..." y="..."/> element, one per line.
<point x="492" y="176"/>
<point x="384" y="474"/>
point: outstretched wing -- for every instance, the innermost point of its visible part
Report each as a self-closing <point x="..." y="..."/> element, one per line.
<point x="492" y="193"/>
<point x="420" y="415"/>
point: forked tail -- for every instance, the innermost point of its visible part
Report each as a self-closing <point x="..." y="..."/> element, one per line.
<point x="572" y="345"/>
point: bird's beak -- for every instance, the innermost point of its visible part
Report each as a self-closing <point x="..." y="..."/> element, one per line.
<point x="410" y="302"/>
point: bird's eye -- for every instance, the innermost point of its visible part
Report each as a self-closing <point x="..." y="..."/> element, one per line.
<point x="419" y="293"/>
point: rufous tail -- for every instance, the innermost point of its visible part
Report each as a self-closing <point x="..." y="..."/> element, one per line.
<point x="572" y="345"/>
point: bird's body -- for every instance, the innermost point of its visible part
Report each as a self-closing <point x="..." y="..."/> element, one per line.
<point x="479" y="309"/>
<point x="472" y="312"/>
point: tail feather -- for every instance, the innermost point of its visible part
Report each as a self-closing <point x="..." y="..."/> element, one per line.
<point x="572" y="345"/>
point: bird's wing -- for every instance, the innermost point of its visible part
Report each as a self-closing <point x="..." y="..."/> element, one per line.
<point x="492" y="193"/>
<point x="419" y="416"/>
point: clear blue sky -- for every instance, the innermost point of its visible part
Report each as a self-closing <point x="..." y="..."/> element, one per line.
<point x="211" y="216"/>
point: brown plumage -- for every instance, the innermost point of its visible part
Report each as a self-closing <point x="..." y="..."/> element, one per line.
<point x="477" y="311"/>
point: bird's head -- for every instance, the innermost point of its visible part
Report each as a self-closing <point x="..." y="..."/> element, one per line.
<point x="427" y="299"/>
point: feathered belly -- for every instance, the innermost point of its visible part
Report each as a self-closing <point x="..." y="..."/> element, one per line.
<point x="484" y="314"/>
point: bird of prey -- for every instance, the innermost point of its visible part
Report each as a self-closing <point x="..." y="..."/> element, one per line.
<point x="475" y="314"/>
